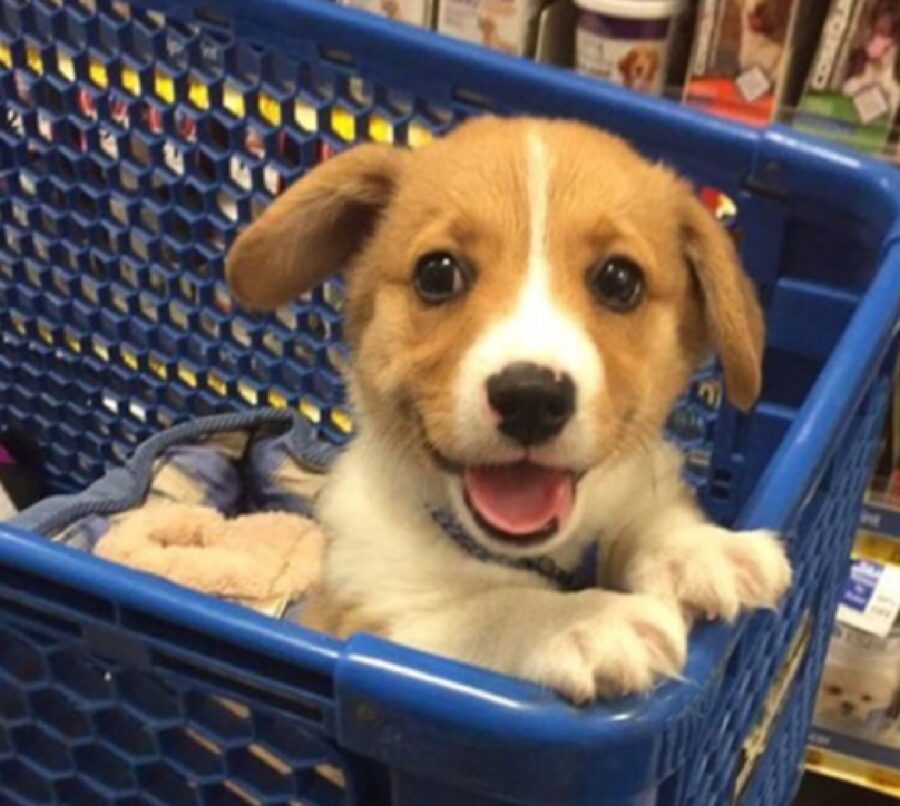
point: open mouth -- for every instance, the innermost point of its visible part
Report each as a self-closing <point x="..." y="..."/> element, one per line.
<point x="522" y="503"/>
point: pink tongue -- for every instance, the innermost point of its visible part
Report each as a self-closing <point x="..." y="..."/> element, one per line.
<point x="520" y="499"/>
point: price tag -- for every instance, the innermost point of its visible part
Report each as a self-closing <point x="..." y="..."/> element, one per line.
<point x="871" y="598"/>
<point x="753" y="84"/>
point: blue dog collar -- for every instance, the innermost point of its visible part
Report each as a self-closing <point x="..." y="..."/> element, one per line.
<point x="579" y="578"/>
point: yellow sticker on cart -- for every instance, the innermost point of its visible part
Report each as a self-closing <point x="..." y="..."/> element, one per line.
<point x="418" y="136"/>
<point x="65" y="65"/>
<point x="233" y="101"/>
<point x="311" y="411"/>
<point x="305" y="116"/>
<point x="269" y="109"/>
<point x="248" y="393"/>
<point x="157" y="367"/>
<point x="217" y="384"/>
<point x="381" y="130"/>
<point x="129" y="358"/>
<point x="343" y="124"/>
<point x="131" y="81"/>
<point x="198" y="93"/>
<point x="187" y="376"/>
<point x="97" y="73"/>
<point x="33" y="59"/>
<point x="165" y="87"/>
<point x="342" y="421"/>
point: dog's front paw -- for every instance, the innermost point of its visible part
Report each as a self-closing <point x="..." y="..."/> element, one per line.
<point x="629" y="643"/>
<point x="715" y="572"/>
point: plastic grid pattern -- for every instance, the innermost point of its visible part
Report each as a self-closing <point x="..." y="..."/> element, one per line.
<point x="129" y="151"/>
<point x="75" y="729"/>
<point x="827" y="525"/>
<point x="135" y="147"/>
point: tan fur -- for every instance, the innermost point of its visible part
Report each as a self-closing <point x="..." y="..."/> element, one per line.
<point x="326" y="613"/>
<point x="732" y="310"/>
<point x="521" y="202"/>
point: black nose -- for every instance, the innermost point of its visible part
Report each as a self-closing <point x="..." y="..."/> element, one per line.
<point x="534" y="403"/>
<point x="847" y="708"/>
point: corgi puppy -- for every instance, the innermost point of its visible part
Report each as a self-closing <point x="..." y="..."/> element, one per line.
<point x="525" y="300"/>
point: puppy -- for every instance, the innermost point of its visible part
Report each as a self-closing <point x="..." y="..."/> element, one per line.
<point x="875" y="63"/>
<point x="520" y="331"/>
<point x="764" y="27"/>
<point x="491" y="39"/>
<point x="639" y="67"/>
<point x="855" y="699"/>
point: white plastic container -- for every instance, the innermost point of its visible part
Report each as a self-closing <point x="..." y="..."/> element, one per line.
<point x="626" y="41"/>
<point x="505" y="25"/>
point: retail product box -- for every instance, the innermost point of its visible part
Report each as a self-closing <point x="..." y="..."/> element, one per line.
<point x="852" y="93"/>
<point x="748" y="54"/>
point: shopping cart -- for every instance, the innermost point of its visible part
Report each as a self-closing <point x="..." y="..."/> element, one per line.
<point x="135" y="140"/>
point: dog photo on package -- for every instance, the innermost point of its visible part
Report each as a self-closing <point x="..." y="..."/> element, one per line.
<point x="853" y="90"/>
<point x="741" y="53"/>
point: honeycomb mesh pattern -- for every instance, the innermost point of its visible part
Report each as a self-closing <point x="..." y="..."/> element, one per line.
<point x="133" y="147"/>
<point x="825" y="530"/>
<point x="77" y="730"/>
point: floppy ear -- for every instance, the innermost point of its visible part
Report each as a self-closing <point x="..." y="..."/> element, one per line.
<point x="734" y="320"/>
<point x="625" y="62"/>
<point x="314" y="228"/>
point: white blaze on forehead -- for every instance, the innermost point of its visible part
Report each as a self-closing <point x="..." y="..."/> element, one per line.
<point x="539" y="329"/>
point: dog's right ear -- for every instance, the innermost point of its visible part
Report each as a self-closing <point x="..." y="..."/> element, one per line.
<point x="313" y="228"/>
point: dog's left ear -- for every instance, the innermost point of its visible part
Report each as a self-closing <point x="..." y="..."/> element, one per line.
<point x="314" y="228"/>
<point x="734" y="320"/>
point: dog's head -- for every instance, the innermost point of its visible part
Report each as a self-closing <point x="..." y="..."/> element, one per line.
<point x="769" y="18"/>
<point x="525" y="300"/>
<point x="852" y="694"/>
<point x="638" y="67"/>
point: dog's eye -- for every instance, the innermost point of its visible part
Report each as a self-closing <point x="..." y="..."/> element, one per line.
<point x="439" y="277"/>
<point x="618" y="283"/>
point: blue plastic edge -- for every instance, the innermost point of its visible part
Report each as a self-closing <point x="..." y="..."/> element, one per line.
<point x="474" y="705"/>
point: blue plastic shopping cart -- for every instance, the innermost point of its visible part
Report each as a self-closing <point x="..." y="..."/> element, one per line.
<point x="134" y="141"/>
